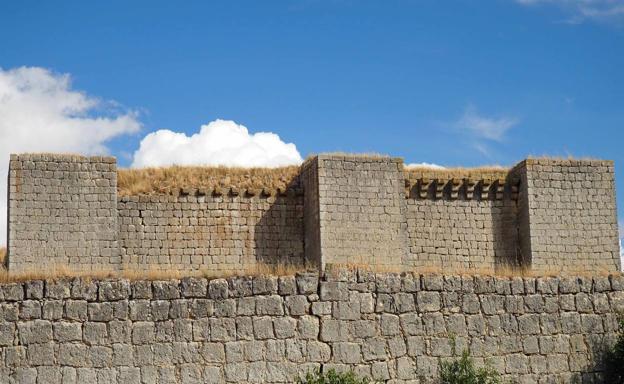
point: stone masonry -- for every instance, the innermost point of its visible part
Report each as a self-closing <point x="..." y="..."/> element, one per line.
<point x="569" y="214"/>
<point x="463" y="234"/>
<point x="394" y="328"/>
<point x="361" y="204"/>
<point x="546" y="215"/>
<point x="62" y="212"/>
<point x="222" y="232"/>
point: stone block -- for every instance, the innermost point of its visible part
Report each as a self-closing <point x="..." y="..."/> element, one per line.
<point x="192" y="287"/>
<point x="165" y="290"/>
<point x="296" y="305"/>
<point x="218" y="289"/>
<point x="428" y="301"/>
<point x="113" y="290"/>
<point x="34" y="332"/>
<point x="287" y="285"/>
<point x="334" y="291"/>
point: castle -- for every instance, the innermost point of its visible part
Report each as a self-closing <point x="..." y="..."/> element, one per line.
<point x="418" y="228"/>
<point x="541" y="215"/>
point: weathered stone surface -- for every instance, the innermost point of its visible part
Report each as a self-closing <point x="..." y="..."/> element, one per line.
<point x="193" y="287"/>
<point x="165" y="290"/>
<point x="170" y="335"/>
<point x="428" y="301"/>
<point x="218" y="289"/>
<point x="334" y="291"/>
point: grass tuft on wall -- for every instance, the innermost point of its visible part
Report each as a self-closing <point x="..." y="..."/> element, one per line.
<point x="148" y="181"/>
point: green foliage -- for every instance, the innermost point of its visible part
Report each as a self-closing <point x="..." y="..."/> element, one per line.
<point x="614" y="359"/>
<point x="331" y="377"/>
<point x="463" y="371"/>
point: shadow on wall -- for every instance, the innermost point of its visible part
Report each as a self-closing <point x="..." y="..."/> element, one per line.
<point x="505" y="229"/>
<point x="278" y="235"/>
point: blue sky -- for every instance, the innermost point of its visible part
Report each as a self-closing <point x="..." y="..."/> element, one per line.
<point x="453" y="83"/>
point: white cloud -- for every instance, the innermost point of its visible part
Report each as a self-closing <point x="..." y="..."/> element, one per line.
<point x="482" y="127"/>
<point x="424" y="165"/>
<point x="582" y="10"/>
<point x="40" y="112"/>
<point x="221" y="142"/>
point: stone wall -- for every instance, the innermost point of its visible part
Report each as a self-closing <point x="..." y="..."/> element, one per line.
<point x="393" y="328"/>
<point x="462" y="234"/>
<point x="544" y="214"/>
<point x="571" y="215"/>
<point x="62" y="212"/>
<point x="362" y="210"/>
<point x="210" y="232"/>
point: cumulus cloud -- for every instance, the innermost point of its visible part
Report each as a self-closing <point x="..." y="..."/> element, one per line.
<point x="40" y="112"/>
<point x="580" y="11"/>
<point x="424" y="165"/>
<point x="220" y="142"/>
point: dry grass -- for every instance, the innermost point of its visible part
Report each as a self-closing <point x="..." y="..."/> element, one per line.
<point x="163" y="180"/>
<point x="511" y="271"/>
<point x="499" y="271"/>
<point x="3" y="253"/>
<point x="52" y="273"/>
<point x="60" y="272"/>
<point x="370" y="155"/>
<point x="478" y="173"/>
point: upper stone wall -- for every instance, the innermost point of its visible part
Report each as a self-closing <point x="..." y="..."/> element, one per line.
<point x="361" y="202"/>
<point x="62" y="213"/>
<point x="208" y="232"/>
<point x="569" y="214"/>
<point x="546" y="215"/>
<point x="462" y="235"/>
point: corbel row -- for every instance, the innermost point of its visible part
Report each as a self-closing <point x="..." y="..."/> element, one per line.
<point x="235" y="191"/>
<point x="462" y="189"/>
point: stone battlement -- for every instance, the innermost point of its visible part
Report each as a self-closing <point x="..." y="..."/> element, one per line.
<point x="543" y="215"/>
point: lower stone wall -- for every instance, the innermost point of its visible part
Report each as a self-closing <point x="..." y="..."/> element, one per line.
<point x="393" y="328"/>
<point x="462" y="234"/>
<point x="210" y="232"/>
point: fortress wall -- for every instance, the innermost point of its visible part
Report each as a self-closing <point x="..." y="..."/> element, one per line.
<point x="362" y="210"/>
<point x="546" y="215"/>
<point x="462" y="234"/>
<point x="62" y="212"/>
<point x="571" y="211"/>
<point x="210" y="232"/>
<point x="393" y="328"/>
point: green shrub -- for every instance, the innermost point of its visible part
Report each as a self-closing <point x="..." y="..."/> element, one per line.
<point x="331" y="377"/>
<point x="614" y="359"/>
<point x="462" y="370"/>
